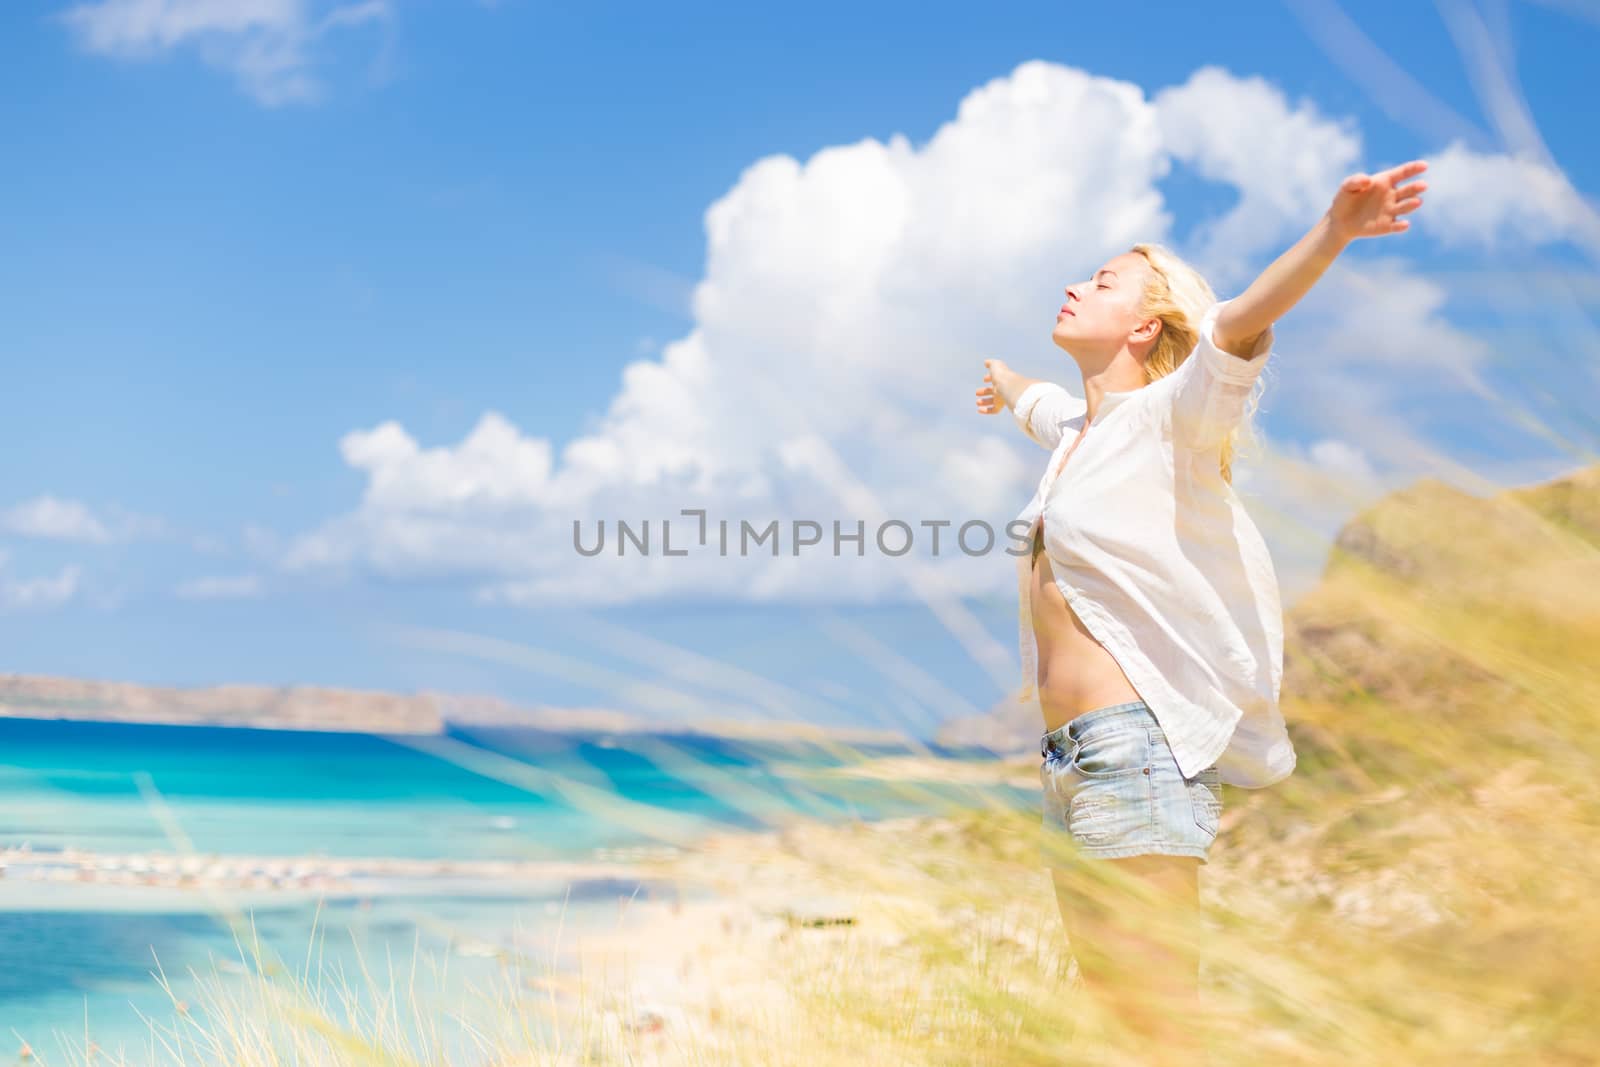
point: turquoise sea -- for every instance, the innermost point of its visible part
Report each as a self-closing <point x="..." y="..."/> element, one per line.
<point x="77" y="958"/>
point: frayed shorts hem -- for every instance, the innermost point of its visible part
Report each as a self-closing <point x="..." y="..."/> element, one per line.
<point x="1117" y="852"/>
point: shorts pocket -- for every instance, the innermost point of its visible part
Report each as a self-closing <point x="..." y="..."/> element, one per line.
<point x="1109" y="815"/>
<point x="1205" y="791"/>
<point x="1113" y="752"/>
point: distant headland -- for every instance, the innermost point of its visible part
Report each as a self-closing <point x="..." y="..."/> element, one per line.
<point x="322" y="708"/>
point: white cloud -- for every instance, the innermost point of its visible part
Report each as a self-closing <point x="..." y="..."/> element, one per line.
<point x="494" y="467"/>
<point x="220" y="587"/>
<point x="1343" y="460"/>
<point x="39" y="593"/>
<point x="850" y="299"/>
<point x="52" y="518"/>
<point x="840" y="328"/>
<point x="1496" y="200"/>
<point x="1284" y="161"/>
<point x="267" y="45"/>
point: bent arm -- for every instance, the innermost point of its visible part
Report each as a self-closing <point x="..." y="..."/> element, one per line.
<point x="1041" y="409"/>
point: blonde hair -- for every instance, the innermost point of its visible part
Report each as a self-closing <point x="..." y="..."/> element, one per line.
<point x="1179" y="296"/>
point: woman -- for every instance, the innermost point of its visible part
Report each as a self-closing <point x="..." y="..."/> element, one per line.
<point x="1151" y="627"/>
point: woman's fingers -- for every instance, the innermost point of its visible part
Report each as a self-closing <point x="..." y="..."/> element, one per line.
<point x="1405" y="170"/>
<point x="988" y="401"/>
<point x="1370" y="205"/>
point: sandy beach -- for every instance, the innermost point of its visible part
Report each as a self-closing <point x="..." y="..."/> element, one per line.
<point x="683" y="977"/>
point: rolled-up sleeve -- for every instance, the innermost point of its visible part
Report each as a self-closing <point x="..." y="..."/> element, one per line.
<point x="1041" y="410"/>
<point x="1212" y="387"/>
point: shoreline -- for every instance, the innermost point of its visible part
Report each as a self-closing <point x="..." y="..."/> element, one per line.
<point x="308" y="874"/>
<point x="73" y="878"/>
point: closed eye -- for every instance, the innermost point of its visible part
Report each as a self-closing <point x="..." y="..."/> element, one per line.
<point x="1102" y="285"/>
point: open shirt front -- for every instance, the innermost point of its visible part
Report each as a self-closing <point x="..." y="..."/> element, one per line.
<point x="1156" y="554"/>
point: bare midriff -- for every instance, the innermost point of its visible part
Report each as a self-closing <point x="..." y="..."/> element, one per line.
<point x="1076" y="673"/>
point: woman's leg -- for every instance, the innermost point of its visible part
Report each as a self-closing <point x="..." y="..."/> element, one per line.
<point x="1140" y="959"/>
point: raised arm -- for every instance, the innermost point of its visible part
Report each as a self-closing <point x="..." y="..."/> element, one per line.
<point x="1366" y="205"/>
<point x="1212" y="386"/>
<point x="1039" y="407"/>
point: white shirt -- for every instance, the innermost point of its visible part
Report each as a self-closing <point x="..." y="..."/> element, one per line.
<point x="1155" y="553"/>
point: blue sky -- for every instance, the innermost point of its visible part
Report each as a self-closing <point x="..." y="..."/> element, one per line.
<point x="234" y="242"/>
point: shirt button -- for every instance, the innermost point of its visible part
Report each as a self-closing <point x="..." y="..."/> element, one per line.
<point x="1147" y="770"/>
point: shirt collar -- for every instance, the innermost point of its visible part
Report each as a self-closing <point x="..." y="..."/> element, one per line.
<point x="1110" y="400"/>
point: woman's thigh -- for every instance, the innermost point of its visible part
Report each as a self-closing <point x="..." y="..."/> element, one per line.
<point x="1142" y="910"/>
<point x="1140" y="962"/>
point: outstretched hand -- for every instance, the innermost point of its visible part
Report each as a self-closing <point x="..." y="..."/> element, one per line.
<point x="991" y="397"/>
<point x="1370" y="205"/>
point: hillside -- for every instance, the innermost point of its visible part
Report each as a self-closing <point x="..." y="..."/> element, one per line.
<point x="1436" y="599"/>
<point x="263" y="707"/>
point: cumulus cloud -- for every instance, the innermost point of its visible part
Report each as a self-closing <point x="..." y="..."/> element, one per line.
<point x="267" y="45"/>
<point x="1495" y="200"/>
<point x="1285" y="161"/>
<point x="839" y="330"/>
<point x="849" y="299"/>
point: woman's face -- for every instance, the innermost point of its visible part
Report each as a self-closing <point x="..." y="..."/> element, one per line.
<point x="1102" y="312"/>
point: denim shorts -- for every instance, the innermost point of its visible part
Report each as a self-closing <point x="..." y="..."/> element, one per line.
<point x="1113" y="786"/>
